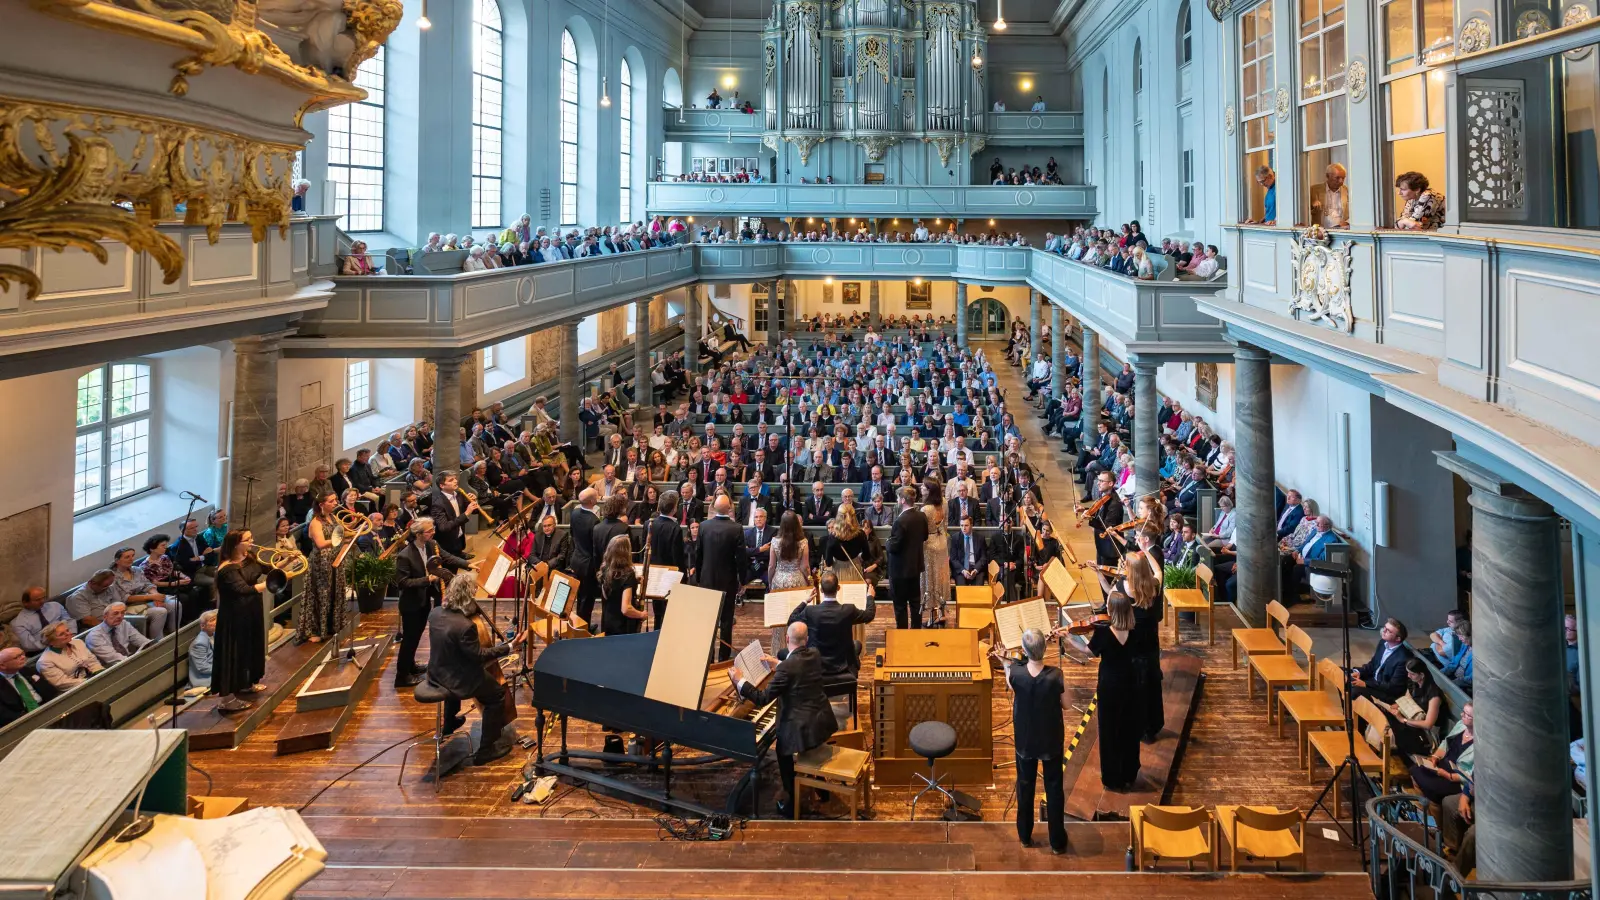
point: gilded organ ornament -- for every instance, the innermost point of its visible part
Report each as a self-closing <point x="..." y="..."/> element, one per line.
<point x="1532" y="22"/>
<point x="1475" y="35"/>
<point x="1321" y="289"/>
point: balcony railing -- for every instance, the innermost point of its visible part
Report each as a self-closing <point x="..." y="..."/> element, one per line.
<point x="712" y="124"/>
<point x="880" y="200"/>
<point x="1041" y="129"/>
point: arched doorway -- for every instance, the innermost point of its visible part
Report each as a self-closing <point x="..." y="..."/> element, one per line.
<point x="987" y="318"/>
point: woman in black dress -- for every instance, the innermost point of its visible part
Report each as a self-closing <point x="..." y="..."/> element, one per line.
<point x="691" y="551"/>
<point x="241" y="640"/>
<point x="1142" y="584"/>
<point x="1417" y="737"/>
<point x="618" y="613"/>
<point x="1117" y="705"/>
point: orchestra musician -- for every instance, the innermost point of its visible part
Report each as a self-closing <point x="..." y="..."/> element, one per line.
<point x="421" y="568"/>
<point x="1105" y="513"/>
<point x="805" y="718"/>
<point x="584" y="560"/>
<point x="621" y="606"/>
<point x="240" y="641"/>
<point x="831" y="625"/>
<point x="1038" y="696"/>
<point x="321" y="612"/>
<point x="1142" y="583"/>
<point x="460" y="660"/>
<point x="1118" y="707"/>
<point x="664" y="537"/>
<point x="450" y="509"/>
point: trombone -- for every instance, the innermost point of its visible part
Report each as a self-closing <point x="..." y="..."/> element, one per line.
<point x="285" y="564"/>
<point x="354" y="525"/>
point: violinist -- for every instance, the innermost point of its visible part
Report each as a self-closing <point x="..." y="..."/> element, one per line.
<point x="1143" y="584"/>
<point x="1105" y="513"/>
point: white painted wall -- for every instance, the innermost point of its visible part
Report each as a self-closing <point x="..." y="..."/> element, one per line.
<point x="395" y="398"/>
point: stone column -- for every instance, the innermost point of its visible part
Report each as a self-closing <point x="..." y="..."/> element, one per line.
<point x="447" y="414"/>
<point x="1521" y="800"/>
<point x="1091" y="384"/>
<point x="691" y="329"/>
<point x="961" y="315"/>
<point x="571" y="427"/>
<point x="1058" y="355"/>
<point x="254" y="436"/>
<point x="1256" y="532"/>
<point x="1033" y="323"/>
<point x="774" y="315"/>
<point x="1146" y="431"/>
<point x="643" y="391"/>
<point x="872" y="301"/>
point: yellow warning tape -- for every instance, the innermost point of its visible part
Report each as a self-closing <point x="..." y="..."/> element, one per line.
<point x="1083" y="726"/>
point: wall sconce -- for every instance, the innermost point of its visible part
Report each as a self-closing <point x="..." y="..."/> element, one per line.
<point x="977" y="59"/>
<point x="729" y="81"/>
<point x="1026" y="84"/>
<point x="828" y="280"/>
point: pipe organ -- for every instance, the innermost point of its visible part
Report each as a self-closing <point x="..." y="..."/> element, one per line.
<point x="876" y="73"/>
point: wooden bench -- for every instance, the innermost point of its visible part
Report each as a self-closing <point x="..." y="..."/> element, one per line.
<point x="1197" y="600"/>
<point x="833" y="769"/>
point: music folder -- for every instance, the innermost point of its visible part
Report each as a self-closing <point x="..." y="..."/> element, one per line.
<point x="1013" y="619"/>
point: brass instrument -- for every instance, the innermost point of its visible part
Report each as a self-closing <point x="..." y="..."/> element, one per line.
<point x="285" y="564"/>
<point x="354" y="525"/>
<point x="473" y="498"/>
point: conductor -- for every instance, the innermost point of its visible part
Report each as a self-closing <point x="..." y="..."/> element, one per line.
<point x="831" y="625"/>
<point x="722" y="564"/>
<point x="805" y="720"/>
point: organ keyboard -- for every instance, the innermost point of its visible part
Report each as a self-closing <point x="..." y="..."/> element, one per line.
<point x="933" y="675"/>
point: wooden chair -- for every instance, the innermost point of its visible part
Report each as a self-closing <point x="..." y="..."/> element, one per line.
<point x="1266" y="641"/>
<point x="1262" y="834"/>
<point x="1314" y="709"/>
<point x="1172" y="832"/>
<point x="1197" y="600"/>
<point x="1281" y="672"/>
<point x="1373" y="757"/>
<point x="834" y="770"/>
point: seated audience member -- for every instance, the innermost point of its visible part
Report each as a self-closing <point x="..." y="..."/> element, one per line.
<point x="1313" y="547"/>
<point x="20" y="693"/>
<point x="1416" y="737"/>
<point x="1574" y="682"/>
<point x="1291" y="516"/>
<point x="160" y="611"/>
<point x="202" y="651"/>
<point x="114" y="640"/>
<point x="1383" y="678"/>
<point x="1207" y="265"/>
<point x="88" y="603"/>
<point x="1423" y="208"/>
<point x="1458" y="668"/>
<point x="37" y="613"/>
<point x="66" y="662"/>
<point x="1449" y="769"/>
<point x="1443" y="642"/>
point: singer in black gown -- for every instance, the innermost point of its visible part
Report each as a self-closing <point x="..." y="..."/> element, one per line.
<point x="241" y="639"/>
<point x="1117" y="704"/>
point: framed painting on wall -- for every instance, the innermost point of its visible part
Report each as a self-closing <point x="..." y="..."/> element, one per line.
<point x="827" y="292"/>
<point x="851" y="293"/>
<point x="919" y="295"/>
<point x="711" y="165"/>
<point x="695" y="165"/>
<point x="725" y="166"/>
<point x="1205" y="385"/>
<point x="751" y="164"/>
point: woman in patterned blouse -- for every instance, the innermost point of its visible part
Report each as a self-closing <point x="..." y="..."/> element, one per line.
<point x="1424" y="207"/>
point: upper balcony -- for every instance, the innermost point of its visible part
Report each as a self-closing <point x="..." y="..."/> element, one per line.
<point x="224" y="289"/>
<point x="1035" y="129"/>
<point x="712" y="125"/>
<point x="882" y="200"/>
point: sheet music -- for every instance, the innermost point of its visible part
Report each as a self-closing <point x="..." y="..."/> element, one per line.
<point x="1060" y="582"/>
<point x="853" y="593"/>
<point x="1011" y="621"/>
<point x="497" y="574"/>
<point x="662" y="579"/>
<point x="779" y="605"/>
<point x="1409" y="708"/>
<point x="752" y="663"/>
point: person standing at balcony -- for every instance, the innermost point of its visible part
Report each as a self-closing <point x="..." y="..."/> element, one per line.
<point x="1038" y="104"/>
<point x="1423" y="207"/>
<point x="713" y="100"/>
<point x="1330" y="201"/>
<point x="1269" y="201"/>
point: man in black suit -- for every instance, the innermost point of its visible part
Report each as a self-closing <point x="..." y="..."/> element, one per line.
<point x="549" y="505"/>
<point x="1383" y="678"/>
<point x="831" y="625"/>
<point x="818" y="508"/>
<point x="20" y="692"/>
<point x="584" y="559"/>
<point x="190" y="552"/>
<point x="876" y="484"/>
<point x="419" y="585"/>
<point x="758" y="546"/>
<point x="962" y="506"/>
<point x="1293" y="512"/>
<point x="664" y="537"/>
<point x="550" y="547"/>
<point x="456" y="662"/>
<point x="805" y="719"/>
<point x="969" y="558"/>
<point x="450" y="510"/>
<point x="908" y="538"/>
<point x="722" y="565"/>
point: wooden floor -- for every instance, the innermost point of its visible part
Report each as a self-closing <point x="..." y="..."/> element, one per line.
<point x="397" y="840"/>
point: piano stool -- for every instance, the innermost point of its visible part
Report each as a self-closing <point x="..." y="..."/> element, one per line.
<point x="428" y="692"/>
<point x="933" y="741"/>
<point x="834" y="770"/>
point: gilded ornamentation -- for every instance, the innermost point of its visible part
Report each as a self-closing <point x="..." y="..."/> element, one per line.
<point x="1283" y="103"/>
<point x="1355" y="78"/>
<point x="1321" y="290"/>
<point x="875" y="146"/>
<point x="1577" y="12"/>
<point x="805" y="143"/>
<point x="976" y="143"/>
<point x="1532" y="22"/>
<point x="944" y="145"/>
<point x="771" y="51"/>
<point x="771" y="142"/>
<point x="1229" y="117"/>
<point x="1475" y="35"/>
<point x="872" y="53"/>
<point x="1219" y="8"/>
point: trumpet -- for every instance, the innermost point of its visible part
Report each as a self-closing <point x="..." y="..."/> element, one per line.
<point x="355" y="525"/>
<point x="473" y="498"/>
<point x="285" y="564"/>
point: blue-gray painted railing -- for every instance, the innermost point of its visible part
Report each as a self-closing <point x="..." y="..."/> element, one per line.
<point x="881" y="200"/>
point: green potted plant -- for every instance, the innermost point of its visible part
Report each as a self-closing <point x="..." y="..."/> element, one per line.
<point x="371" y="576"/>
<point x="1177" y="577"/>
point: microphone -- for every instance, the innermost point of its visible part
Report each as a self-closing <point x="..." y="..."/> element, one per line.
<point x="190" y="495"/>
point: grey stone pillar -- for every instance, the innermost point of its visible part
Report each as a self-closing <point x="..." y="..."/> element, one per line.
<point x="872" y="301"/>
<point x="1033" y="323"/>
<point x="1256" y="532"/>
<point x="691" y="328"/>
<point x="1521" y="801"/>
<point x="961" y="315"/>
<point x="643" y="391"/>
<point x="1058" y="356"/>
<point x="254" y="436"/>
<point x="774" y="315"/>
<point x="1146" y="431"/>
<point x="571" y="428"/>
<point x="447" y="414"/>
<point x="1091" y="384"/>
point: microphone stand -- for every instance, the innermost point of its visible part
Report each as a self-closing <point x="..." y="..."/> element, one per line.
<point x="175" y="701"/>
<point x="249" y="489"/>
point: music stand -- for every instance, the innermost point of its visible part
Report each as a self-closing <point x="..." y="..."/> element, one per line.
<point x="1341" y="571"/>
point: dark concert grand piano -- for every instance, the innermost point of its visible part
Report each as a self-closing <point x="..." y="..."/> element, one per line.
<point x="602" y="680"/>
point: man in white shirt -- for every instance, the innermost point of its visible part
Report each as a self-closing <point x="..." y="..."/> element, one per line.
<point x="1208" y="267"/>
<point x="959" y="453"/>
<point x="1038" y="376"/>
<point x="37" y="614"/>
<point x="114" y="640"/>
<point x="1038" y="105"/>
<point x="920" y="233"/>
<point x="1052" y="243"/>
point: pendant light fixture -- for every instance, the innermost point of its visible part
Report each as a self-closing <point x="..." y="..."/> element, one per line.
<point x="605" y="55"/>
<point x="999" y="15"/>
<point x="422" y="21"/>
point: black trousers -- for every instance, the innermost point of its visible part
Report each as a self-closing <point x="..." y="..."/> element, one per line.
<point x="658" y="606"/>
<point x="491" y="703"/>
<point x="1054" y="801"/>
<point x="907" y="594"/>
<point x="725" y="629"/>
<point x="786" y="774"/>
<point x="413" y="619"/>
<point x="587" y="589"/>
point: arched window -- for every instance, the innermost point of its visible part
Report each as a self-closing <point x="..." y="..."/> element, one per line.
<point x="1138" y="66"/>
<point x="625" y="141"/>
<point x="569" y="129"/>
<point x="1185" y="35"/>
<point x="355" y="152"/>
<point x="112" y="457"/>
<point x="488" y="91"/>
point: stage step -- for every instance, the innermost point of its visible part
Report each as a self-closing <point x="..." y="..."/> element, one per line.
<point x="317" y="727"/>
<point x="210" y="729"/>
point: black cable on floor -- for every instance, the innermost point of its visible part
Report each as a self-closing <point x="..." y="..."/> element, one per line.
<point x="358" y="767"/>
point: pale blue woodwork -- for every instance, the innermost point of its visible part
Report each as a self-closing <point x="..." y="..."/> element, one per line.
<point x="881" y="200"/>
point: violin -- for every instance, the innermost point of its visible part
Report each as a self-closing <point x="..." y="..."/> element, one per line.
<point x="1088" y="624"/>
<point x="1094" y="508"/>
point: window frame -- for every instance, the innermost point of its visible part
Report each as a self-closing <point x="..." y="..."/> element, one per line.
<point x="567" y="121"/>
<point x="1306" y="102"/>
<point x="1265" y="112"/>
<point x="373" y="77"/>
<point x="1138" y="66"/>
<point x="1421" y="67"/>
<point x="1185" y="34"/>
<point x="488" y="115"/>
<point x="103" y="428"/>
<point x="625" y="140"/>
<point x="489" y="363"/>
<point x="368" y="387"/>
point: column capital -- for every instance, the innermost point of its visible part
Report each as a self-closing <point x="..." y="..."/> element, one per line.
<point x="1144" y="365"/>
<point x="1249" y="352"/>
<point x="270" y="342"/>
<point x="1492" y="494"/>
